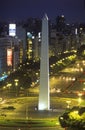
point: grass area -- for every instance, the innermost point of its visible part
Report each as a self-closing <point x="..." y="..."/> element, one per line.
<point x="42" y="119"/>
<point x="32" y="123"/>
<point x="19" y="104"/>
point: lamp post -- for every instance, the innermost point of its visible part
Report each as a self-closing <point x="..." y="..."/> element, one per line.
<point x="68" y="103"/>
<point x="9" y="86"/>
<point x="79" y="99"/>
<point x="16" y="85"/>
<point x="26" y="112"/>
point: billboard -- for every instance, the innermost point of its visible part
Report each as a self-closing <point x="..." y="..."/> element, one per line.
<point x="12" y="30"/>
<point x="9" y="57"/>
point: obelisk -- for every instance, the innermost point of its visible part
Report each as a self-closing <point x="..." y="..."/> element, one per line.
<point x="44" y="95"/>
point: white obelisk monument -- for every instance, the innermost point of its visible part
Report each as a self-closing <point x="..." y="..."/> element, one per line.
<point x="44" y="94"/>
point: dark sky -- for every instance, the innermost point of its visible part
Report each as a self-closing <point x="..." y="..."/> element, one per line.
<point x="73" y="10"/>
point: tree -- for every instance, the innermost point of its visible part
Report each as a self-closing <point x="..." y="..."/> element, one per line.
<point x="73" y="119"/>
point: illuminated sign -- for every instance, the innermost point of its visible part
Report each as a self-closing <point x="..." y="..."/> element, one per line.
<point x="9" y="57"/>
<point x="12" y="29"/>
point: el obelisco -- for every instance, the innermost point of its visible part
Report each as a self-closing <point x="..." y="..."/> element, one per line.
<point x="44" y="95"/>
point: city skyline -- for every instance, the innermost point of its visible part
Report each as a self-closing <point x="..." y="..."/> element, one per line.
<point x="74" y="11"/>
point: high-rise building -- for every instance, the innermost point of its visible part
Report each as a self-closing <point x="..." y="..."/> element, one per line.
<point x="9" y="54"/>
<point x="60" y="23"/>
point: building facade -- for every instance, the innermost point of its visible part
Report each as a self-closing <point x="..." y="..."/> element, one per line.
<point x="9" y="54"/>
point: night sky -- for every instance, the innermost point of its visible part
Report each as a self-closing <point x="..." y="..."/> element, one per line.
<point x="73" y="10"/>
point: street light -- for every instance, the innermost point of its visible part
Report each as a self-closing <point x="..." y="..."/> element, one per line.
<point x="26" y="112"/>
<point x="9" y="85"/>
<point x="16" y="84"/>
<point x="68" y="103"/>
<point x="79" y="99"/>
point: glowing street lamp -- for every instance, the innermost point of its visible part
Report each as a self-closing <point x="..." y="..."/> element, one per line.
<point x="68" y="103"/>
<point x="79" y="99"/>
<point x="16" y="84"/>
<point x="9" y="85"/>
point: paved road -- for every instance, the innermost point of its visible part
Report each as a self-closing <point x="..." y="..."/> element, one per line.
<point x="56" y="82"/>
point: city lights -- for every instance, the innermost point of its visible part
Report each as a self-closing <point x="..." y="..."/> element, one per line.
<point x="9" y="57"/>
<point x="12" y="30"/>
